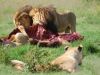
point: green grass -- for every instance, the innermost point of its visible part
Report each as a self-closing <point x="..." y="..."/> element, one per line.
<point x="90" y="66"/>
<point x="88" y="25"/>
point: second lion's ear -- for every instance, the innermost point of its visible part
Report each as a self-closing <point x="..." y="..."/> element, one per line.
<point x="66" y="48"/>
<point x="31" y="12"/>
<point x="80" y="48"/>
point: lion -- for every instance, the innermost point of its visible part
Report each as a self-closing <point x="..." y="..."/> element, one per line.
<point x="20" y="38"/>
<point x="65" y="22"/>
<point x="43" y="16"/>
<point x="59" y="22"/>
<point x="70" y="60"/>
<point x="22" y="17"/>
<point x="16" y="40"/>
<point x="23" y="20"/>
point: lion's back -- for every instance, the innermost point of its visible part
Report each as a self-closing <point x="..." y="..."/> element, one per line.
<point x="65" y="21"/>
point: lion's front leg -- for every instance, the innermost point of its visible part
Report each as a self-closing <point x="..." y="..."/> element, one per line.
<point x="22" y="29"/>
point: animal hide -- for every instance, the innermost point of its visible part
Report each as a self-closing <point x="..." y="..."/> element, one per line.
<point x="45" y="37"/>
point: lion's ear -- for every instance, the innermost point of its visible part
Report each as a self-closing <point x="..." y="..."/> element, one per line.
<point x="80" y="48"/>
<point x="66" y="48"/>
<point x="30" y="13"/>
<point x="33" y="11"/>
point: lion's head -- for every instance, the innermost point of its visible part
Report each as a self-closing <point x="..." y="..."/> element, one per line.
<point x="23" y="19"/>
<point x="75" y="52"/>
<point x="40" y="15"/>
<point x="44" y="16"/>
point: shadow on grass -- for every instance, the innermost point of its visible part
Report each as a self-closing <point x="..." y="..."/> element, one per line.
<point x="93" y="48"/>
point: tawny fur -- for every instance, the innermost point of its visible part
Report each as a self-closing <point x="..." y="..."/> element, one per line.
<point x="65" y="22"/>
<point x="62" y="22"/>
<point x="22" y="20"/>
<point x="70" y="60"/>
<point x="43" y="16"/>
<point x="40" y="15"/>
<point x="22" y="17"/>
<point x="19" y="65"/>
<point x="21" y="39"/>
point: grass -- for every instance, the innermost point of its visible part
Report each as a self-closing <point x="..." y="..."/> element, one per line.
<point x="89" y="67"/>
<point x="88" y="24"/>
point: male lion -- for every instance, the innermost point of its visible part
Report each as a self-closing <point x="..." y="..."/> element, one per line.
<point x="70" y="60"/>
<point x="54" y="20"/>
<point x="64" y="22"/>
<point x="43" y="16"/>
<point x="19" y="35"/>
<point x="22" y="20"/>
<point x="22" y="17"/>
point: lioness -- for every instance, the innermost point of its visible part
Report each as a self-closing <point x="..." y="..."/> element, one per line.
<point x="70" y="60"/>
<point x="19" y="38"/>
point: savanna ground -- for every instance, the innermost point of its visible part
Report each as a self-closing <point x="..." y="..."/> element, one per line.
<point x="88" y="25"/>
